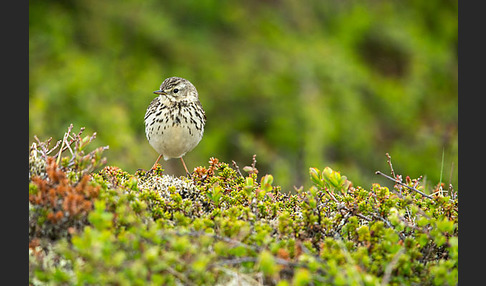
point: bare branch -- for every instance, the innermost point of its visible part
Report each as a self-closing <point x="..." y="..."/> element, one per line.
<point x="391" y="265"/>
<point x="235" y="261"/>
<point x="237" y="168"/>
<point x="388" y="160"/>
<point x="179" y="275"/>
<point x="402" y="237"/>
<point x="62" y="144"/>
<point x="402" y="184"/>
<point x="53" y="148"/>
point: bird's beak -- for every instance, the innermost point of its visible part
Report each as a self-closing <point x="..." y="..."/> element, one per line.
<point x="160" y="92"/>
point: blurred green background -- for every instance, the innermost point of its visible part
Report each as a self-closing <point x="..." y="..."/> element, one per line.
<point x="298" y="83"/>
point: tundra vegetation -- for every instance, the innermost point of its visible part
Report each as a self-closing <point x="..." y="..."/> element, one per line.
<point x="91" y="224"/>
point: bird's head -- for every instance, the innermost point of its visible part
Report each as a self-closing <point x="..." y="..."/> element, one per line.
<point x="177" y="89"/>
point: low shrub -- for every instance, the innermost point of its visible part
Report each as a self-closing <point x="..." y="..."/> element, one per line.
<point x="225" y="226"/>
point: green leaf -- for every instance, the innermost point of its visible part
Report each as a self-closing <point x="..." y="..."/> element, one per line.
<point x="445" y="225"/>
<point x="266" y="183"/>
<point x="314" y="175"/>
<point x="267" y="264"/>
<point x="302" y="277"/>
<point x="238" y="251"/>
<point x="249" y="186"/>
<point x="364" y="233"/>
<point x="423" y="239"/>
<point x="215" y="194"/>
<point x="422" y="221"/>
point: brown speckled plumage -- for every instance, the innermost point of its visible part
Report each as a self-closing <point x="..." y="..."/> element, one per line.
<point x="174" y="121"/>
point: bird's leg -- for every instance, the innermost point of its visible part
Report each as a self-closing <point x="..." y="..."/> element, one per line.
<point x="156" y="162"/>
<point x="184" y="164"/>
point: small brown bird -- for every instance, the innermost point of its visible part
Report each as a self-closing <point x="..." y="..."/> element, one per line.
<point x="174" y="121"/>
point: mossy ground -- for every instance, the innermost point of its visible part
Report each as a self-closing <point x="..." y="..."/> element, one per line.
<point x="223" y="226"/>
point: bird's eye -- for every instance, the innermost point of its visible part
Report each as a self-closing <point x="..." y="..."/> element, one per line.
<point x="176" y="90"/>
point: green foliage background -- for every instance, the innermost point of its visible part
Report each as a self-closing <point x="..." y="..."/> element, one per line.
<point x="300" y="84"/>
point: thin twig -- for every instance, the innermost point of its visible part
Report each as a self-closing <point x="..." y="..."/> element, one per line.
<point x="234" y="261"/>
<point x="64" y="140"/>
<point x="399" y="177"/>
<point x="251" y="169"/>
<point x="391" y="265"/>
<point x="417" y="181"/>
<point x="402" y="184"/>
<point x="247" y="278"/>
<point x="451" y="192"/>
<point x="278" y="260"/>
<point x="401" y="235"/>
<point x="61" y="149"/>
<point x="179" y="275"/>
<point x="388" y="160"/>
<point x="57" y="144"/>
<point x="349" y="259"/>
<point x="219" y="237"/>
<point x="237" y="168"/>
<point x="70" y="150"/>
<point x="346" y="209"/>
<point x="450" y="180"/>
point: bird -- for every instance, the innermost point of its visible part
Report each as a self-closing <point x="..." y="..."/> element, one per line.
<point x="174" y="120"/>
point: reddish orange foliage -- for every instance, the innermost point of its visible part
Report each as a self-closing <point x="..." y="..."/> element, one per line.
<point x="61" y="196"/>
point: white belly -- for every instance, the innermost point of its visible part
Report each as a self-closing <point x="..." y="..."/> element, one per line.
<point x="173" y="141"/>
